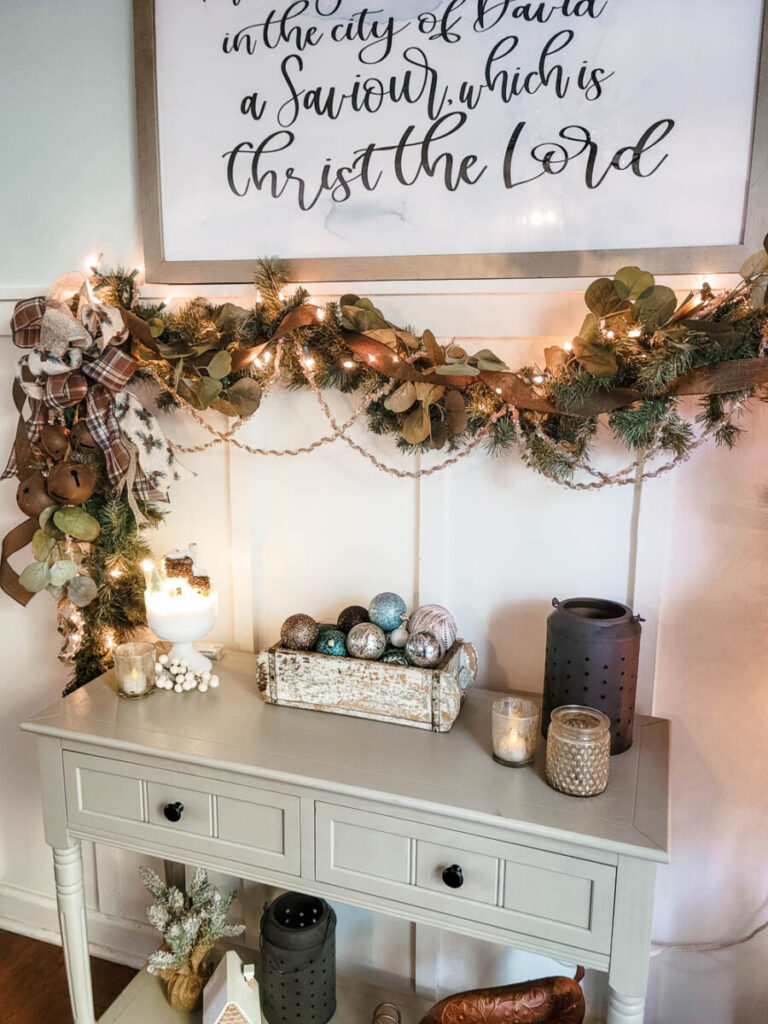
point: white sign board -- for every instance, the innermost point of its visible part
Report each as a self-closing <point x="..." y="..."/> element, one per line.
<point x="323" y="129"/>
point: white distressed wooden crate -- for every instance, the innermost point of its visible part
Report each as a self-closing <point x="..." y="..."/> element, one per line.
<point x="426" y="698"/>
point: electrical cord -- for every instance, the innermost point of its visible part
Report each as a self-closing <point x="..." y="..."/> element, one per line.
<point x="706" y="947"/>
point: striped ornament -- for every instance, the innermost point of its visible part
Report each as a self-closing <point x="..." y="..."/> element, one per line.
<point x="434" y="619"/>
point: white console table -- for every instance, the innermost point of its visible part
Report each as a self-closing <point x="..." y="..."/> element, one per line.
<point x="361" y="812"/>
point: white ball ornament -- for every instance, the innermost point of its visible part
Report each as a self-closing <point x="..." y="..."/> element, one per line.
<point x="163" y="659"/>
<point x="213" y="682"/>
<point x="399" y="637"/>
<point x="178" y="688"/>
<point x="203" y="687"/>
<point x="206" y="677"/>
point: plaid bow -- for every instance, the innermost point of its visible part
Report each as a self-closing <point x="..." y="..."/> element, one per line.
<point x="98" y="380"/>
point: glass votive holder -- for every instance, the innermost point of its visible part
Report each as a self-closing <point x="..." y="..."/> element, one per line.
<point x="135" y="669"/>
<point x="578" y="750"/>
<point x="514" y="730"/>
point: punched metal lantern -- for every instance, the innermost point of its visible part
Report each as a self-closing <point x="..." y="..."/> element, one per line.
<point x="298" y="960"/>
<point x="593" y="646"/>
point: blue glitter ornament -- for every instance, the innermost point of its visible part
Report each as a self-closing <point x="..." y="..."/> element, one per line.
<point x="387" y="610"/>
<point x="332" y="641"/>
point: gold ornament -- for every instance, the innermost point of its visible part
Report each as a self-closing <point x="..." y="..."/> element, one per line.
<point x="32" y="496"/>
<point x="71" y="483"/>
<point x="54" y="441"/>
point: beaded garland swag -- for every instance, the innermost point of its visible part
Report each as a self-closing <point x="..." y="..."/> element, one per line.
<point x="636" y="355"/>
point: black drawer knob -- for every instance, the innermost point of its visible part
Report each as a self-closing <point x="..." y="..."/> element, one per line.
<point x="173" y="812"/>
<point x="453" y="876"/>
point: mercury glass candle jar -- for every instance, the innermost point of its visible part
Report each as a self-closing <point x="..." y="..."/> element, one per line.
<point x="578" y="750"/>
<point x="514" y="730"/>
<point x="135" y="669"/>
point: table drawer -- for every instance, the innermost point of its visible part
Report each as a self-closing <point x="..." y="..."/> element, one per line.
<point x="503" y="884"/>
<point x="244" y="823"/>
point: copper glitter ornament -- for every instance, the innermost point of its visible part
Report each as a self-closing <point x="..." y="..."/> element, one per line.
<point x="299" y="633"/>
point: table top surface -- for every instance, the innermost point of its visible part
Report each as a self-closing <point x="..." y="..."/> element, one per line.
<point x="451" y="774"/>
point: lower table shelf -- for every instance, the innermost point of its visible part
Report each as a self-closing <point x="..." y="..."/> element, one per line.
<point x="144" y="1002"/>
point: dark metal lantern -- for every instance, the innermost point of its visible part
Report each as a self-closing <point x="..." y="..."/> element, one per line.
<point x="592" y="653"/>
<point x="298" y="960"/>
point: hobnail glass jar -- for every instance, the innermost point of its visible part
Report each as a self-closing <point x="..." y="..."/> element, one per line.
<point x="578" y="750"/>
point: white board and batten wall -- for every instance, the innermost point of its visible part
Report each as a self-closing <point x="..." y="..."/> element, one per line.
<point x="488" y="538"/>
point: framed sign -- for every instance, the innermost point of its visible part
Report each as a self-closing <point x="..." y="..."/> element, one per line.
<point x="450" y="138"/>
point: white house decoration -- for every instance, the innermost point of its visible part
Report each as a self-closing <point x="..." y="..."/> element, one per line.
<point x="232" y="994"/>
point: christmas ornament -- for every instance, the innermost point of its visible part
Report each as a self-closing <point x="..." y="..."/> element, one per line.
<point x="299" y="633"/>
<point x="387" y="610"/>
<point x="81" y="438"/>
<point x="438" y="621"/>
<point x="398" y="637"/>
<point x="32" y="496"/>
<point x="71" y="483"/>
<point x="395" y="656"/>
<point x="351" y="616"/>
<point x="366" y="640"/>
<point x="423" y="649"/>
<point x="54" y="441"/>
<point x="332" y="641"/>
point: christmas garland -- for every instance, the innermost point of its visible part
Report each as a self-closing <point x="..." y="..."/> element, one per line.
<point x="93" y="462"/>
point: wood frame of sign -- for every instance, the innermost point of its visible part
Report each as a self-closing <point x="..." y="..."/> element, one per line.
<point x="575" y="263"/>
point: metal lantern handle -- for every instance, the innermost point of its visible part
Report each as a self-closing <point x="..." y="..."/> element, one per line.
<point x="555" y="602"/>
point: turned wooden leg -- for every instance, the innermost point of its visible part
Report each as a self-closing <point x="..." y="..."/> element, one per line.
<point x="70" y="895"/>
<point x="625" y="1009"/>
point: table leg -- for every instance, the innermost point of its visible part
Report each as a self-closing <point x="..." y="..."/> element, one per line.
<point x="70" y="895"/>
<point x="625" y="1009"/>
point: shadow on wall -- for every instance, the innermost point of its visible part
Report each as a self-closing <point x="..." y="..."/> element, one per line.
<point x="520" y="625"/>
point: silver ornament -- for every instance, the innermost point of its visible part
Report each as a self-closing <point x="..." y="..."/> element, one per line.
<point x="366" y="640"/>
<point x="423" y="649"/>
<point x="399" y="637"/>
<point x="434" y="619"/>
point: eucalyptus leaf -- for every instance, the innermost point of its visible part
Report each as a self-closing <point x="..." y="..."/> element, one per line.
<point x="207" y="390"/>
<point x="439" y="435"/>
<point x="596" y="359"/>
<point x="417" y="425"/>
<point x="42" y="545"/>
<point x="62" y="572"/>
<point x="457" y="352"/>
<point x="759" y="293"/>
<point x="433" y="350"/>
<point x="77" y="523"/>
<point x="488" y="360"/>
<point x="228" y="316"/>
<point x="754" y="266"/>
<point x="656" y="308"/>
<point x="456" y="411"/>
<point x="35" y="577"/>
<point x="402" y="398"/>
<point x="45" y="520"/>
<point x="156" y="326"/>
<point x="187" y="389"/>
<point x="590" y="328"/>
<point x="81" y="591"/>
<point x="602" y="298"/>
<point x="386" y="335"/>
<point x="369" y="320"/>
<point x="245" y="395"/>
<point x="56" y="592"/>
<point x="632" y="282"/>
<point x="349" y="300"/>
<point x="458" y="370"/>
<point x="220" y="365"/>
<point x="555" y="357"/>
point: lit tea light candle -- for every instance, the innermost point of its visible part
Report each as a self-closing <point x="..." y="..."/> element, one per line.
<point x="135" y="669"/>
<point x="514" y="730"/>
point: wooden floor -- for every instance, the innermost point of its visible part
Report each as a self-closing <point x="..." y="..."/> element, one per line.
<point x="33" y="982"/>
